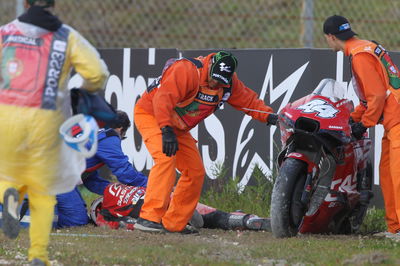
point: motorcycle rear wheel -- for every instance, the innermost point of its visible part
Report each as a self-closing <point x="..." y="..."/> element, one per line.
<point x="287" y="211"/>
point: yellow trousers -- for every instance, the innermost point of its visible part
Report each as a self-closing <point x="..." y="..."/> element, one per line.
<point x="29" y="160"/>
<point x="390" y="177"/>
<point x="41" y="209"/>
<point x="174" y="212"/>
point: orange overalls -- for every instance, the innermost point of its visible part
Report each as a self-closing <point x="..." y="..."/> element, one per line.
<point x="182" y="100"/>
<point x="378" y="106"/>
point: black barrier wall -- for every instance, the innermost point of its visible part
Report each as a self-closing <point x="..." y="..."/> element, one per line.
<point x="229" y="137"/>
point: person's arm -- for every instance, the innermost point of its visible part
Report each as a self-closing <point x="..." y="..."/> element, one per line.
<point x="371" y="80"/>
<point x="244" y="97"/>
<point x="87" y="62"/>
<point x="358" y="112"/>
<point x="110" y="152"/>
<point x="95" y="184"/>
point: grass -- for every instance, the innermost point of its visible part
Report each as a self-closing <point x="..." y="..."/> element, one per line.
<point x="88" y="196"/>
<point x="98" y="246"/>
<point x="374" y="221"/>
<point x="223" y="194"/>
<point x="256" y="198"/>
<point x="91" y="245"/>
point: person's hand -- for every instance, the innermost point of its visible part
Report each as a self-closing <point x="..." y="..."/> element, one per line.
<point x="169" y="141"/>
<point x="272" y="119"/>
<point x="358" y="130"/>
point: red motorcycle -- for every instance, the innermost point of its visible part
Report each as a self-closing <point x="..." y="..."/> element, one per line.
<point x="325" y="175"/>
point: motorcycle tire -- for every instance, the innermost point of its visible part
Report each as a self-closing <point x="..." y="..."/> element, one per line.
<point x="287" y="211"/>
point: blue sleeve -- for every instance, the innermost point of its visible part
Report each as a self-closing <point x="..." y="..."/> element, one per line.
<point x="110" y="152"/>
<point x="95" y="184"/>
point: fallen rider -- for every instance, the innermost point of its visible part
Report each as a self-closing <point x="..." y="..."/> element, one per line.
<point x="120" y="206"/>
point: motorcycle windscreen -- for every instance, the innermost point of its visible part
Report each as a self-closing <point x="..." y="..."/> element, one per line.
<point x="331" y="89"/>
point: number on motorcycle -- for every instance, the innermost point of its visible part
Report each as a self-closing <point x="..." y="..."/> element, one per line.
<point x="321" y="107"/>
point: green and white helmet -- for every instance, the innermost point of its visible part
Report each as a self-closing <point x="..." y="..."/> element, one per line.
<point x="45" y="3"/>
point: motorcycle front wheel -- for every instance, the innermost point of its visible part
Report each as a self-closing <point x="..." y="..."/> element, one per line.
<point x="287" y="211"/>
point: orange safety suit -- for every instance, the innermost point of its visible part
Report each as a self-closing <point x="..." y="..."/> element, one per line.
<point x="378" y="105"/>
<point x="182" y="100"/>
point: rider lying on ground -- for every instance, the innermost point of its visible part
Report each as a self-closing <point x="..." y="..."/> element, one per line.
<point x="120" y="206"/>
<point x="71" y="208"/>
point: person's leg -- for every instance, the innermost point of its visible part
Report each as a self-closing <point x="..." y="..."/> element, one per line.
<point x="40" y="176"/>
<point x="12" y="162"/>
<point x="42" y="213"/>
<point x="162" y="175"/>
<point x="204" y="209"/>
<point x="387" y="186"/>
<point x="394" y="137"/>
<point x="238" y="220"/>
<point x="188" y="189"/>
<point x="216" y="220"/>
<point x="243" y="221"/>
<point x="71" y="209"/>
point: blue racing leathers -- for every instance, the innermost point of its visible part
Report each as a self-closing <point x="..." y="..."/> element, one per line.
<point x="70" y="206"/>
<point x="109" y="152"/>
<point x="71" y="209"/>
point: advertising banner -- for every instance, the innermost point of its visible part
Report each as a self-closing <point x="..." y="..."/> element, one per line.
<point x="229" y="138"/>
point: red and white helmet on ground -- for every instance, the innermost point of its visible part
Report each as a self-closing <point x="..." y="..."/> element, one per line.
<point x="94" y="209"/>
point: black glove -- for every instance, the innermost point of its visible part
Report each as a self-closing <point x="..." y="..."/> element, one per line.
<point x="272" y="119"/>
<point x="358" y="130"/>
<point x="169" y="141"/>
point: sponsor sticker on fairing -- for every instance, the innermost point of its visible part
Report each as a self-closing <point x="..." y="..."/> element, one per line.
<point x="335" y="127"/>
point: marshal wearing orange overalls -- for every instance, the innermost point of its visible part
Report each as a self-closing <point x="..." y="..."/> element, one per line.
<point x="188" y="91"/>
<point x="377" y="84"/>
